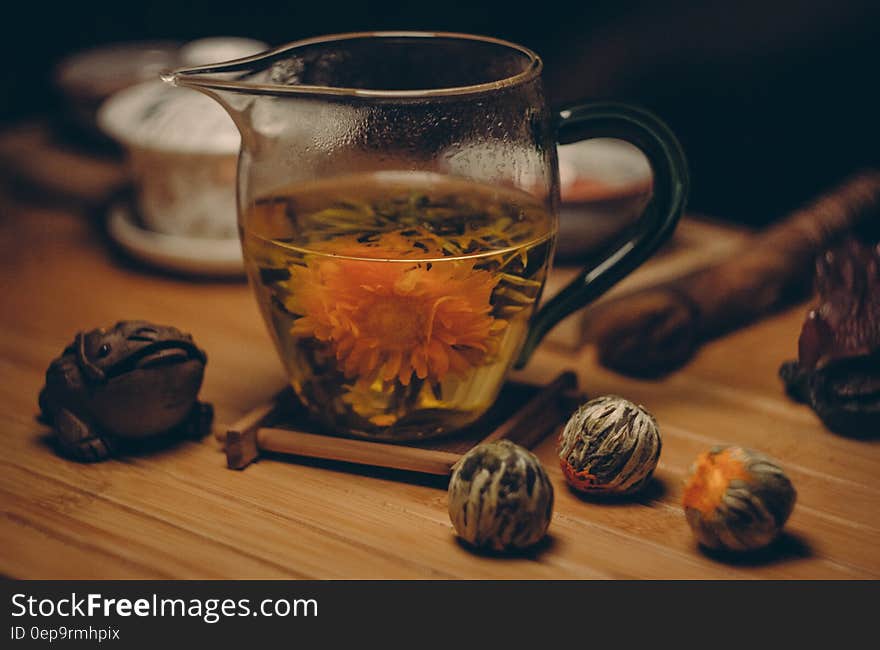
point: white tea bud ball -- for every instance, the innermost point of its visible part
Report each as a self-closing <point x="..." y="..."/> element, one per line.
<point x="500" y="497"/>
<point x="609" y="446"/>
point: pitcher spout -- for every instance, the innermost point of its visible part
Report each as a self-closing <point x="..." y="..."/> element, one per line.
<point x="284" y="70"/>
<point x="235" y="74"/>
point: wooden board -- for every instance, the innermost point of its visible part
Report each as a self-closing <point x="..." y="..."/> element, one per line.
<point x="177" y="512"/>
<point x="523" y="413"/>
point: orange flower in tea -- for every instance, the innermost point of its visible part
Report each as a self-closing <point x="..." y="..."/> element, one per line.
<point x="395" y="319"/>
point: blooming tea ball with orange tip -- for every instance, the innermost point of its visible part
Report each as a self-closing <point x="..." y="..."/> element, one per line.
<point x="609" y="446"/>
<point x="500" y="497"/>
<point x="737" y="499"/>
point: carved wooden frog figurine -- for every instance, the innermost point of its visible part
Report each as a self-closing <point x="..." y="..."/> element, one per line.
<point x="131" y="381"/>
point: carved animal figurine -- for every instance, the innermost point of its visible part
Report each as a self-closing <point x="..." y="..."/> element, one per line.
<point x="838" y="367"/>
<point x="131" y="381"/>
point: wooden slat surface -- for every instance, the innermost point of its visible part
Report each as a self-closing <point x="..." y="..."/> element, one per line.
<point x="179" y="513"/>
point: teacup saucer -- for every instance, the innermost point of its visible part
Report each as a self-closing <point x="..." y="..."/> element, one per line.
<point x="203" y="257"/>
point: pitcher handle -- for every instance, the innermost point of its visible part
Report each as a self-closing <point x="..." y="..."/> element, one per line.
<point x="639" y="241"/>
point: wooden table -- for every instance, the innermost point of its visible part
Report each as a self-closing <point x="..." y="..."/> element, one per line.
<point x="179" y="513"/>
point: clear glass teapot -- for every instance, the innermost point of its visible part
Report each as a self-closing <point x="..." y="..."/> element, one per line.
<point x="397" y="201"/>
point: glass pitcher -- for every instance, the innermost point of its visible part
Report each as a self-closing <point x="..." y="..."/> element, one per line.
<point x="397" y="201"/>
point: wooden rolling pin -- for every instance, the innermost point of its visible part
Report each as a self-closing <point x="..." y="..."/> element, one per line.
<point x="654" y="331"/>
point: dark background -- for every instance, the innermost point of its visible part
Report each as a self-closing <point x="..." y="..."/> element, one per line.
<point x="773" y="99"/>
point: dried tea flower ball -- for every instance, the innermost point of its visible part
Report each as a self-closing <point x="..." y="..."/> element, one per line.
<point x="609" y="446"/>
<point x="737" y="499"/>
<point x="500" y="497"/>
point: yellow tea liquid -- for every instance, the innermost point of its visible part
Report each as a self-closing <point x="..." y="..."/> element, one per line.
<point x="397" y="301"/>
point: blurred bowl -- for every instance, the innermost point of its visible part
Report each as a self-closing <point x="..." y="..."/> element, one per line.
<point x="88" y="78"/>
<point x="605" y="185"/>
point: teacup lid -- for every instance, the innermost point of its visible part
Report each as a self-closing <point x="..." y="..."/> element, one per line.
<point x="155" y="115"/>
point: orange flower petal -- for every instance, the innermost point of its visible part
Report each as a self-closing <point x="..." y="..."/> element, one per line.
<point x="392" y="320"/>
